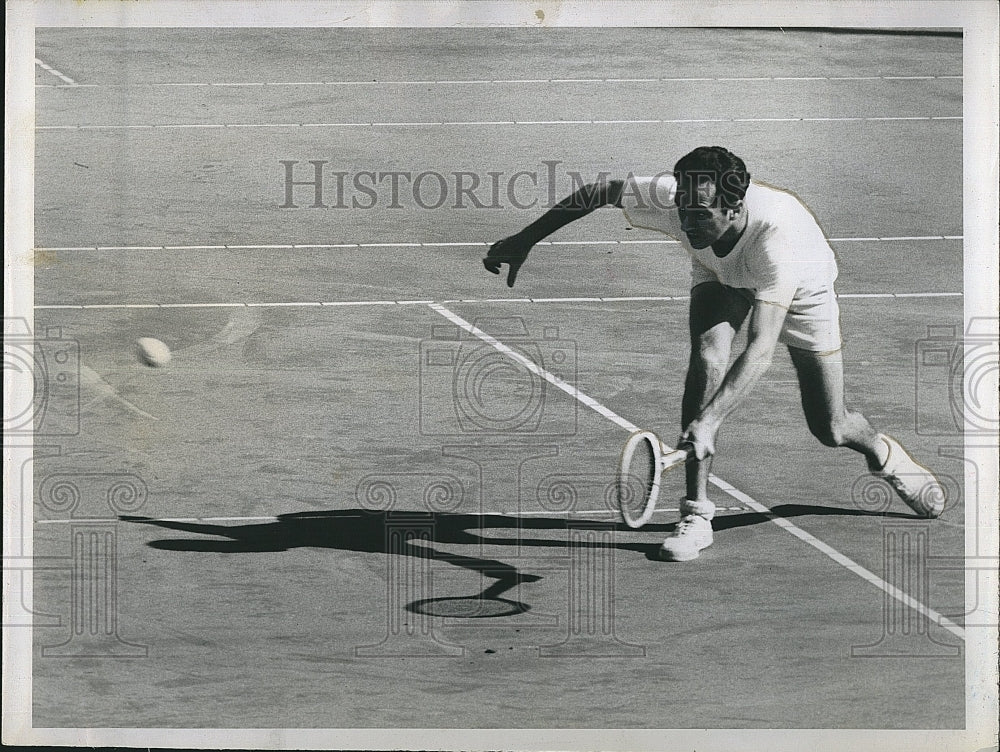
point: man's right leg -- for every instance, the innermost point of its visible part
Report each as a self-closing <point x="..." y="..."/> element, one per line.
<point x="716" y="314"/>
<point x="821" y="380"/>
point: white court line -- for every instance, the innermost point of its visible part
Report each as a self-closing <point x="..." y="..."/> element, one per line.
<point x="838" y="557"/>
<point x="69" y="82"/>
<point x="480" y="81"/>
<point x="274" y="518"/>
<point x="74" y="520"/>
<point x="347" y="303"/>
<point x="410" y="244"/>
<point x="782" y="522"/>
<point x="463" y="123"/>
<point x="535" y="369"/>
<point x="658" y="510"/>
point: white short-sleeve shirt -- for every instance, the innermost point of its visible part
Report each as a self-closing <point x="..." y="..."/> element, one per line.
<point x="783" y="257"/>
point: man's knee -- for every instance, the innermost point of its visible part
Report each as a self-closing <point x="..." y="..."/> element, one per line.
<point x="709" y="360"/>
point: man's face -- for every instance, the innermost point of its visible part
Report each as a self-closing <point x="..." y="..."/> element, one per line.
<point x="702" y="222"/>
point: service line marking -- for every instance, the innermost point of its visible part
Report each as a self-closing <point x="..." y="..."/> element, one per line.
<point x="68" y="82"/>
<point x="464" y="123"/>
<point x="782" y="522"/>
<point x="360" y="303"/>
<point x="481" y="81"/>
<point x="471" y="244"/>
<point x="581" y="299"/>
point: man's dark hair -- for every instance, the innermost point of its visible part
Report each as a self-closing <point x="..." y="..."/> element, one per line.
<point x="716" y="165"/>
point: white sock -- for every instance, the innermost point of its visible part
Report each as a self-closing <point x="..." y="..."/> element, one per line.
<point x="702" y="508"/>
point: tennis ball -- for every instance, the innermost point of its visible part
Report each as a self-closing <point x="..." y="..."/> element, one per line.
<point x="152" y="352"/>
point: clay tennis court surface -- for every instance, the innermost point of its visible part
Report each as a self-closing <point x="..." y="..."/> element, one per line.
<point x="290" y="525"/>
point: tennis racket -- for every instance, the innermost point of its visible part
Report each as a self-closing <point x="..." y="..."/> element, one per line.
<point x="640" y="470"/>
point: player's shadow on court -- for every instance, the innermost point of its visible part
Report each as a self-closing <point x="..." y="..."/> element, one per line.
<point x="415" y="534"/>
<point x="411" y="534"/>
<point x="365" y="531"/>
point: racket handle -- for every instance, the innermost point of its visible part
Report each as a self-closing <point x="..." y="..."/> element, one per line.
<point x="673" y="458"/>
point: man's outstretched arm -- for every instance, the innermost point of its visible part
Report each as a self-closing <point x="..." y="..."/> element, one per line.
<point x="514" y="250"/>
<point x="766" y="322"/>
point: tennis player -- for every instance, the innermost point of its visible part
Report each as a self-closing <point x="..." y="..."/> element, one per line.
<point x="758" y="257"/>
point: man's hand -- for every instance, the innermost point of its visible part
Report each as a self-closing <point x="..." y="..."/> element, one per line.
<point x="512" y="251"/>
<point x="699" y="438"/>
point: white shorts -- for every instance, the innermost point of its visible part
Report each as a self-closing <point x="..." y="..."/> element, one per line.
<point x="814" y="325"/>
<point x="812" y="322"/>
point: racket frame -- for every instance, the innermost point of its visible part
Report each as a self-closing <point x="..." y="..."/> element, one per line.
<point x="662" y="461"/>
<point x="625" y="464"/>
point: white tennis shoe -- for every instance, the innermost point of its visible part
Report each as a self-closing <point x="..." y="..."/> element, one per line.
<point x="692" y="534"/>
<point x="915" y="484"/>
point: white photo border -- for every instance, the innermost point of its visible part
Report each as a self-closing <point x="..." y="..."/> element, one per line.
<point x="979" y="21"/>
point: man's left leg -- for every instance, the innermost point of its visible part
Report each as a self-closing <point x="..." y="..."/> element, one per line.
<point x="821" y="381"/>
